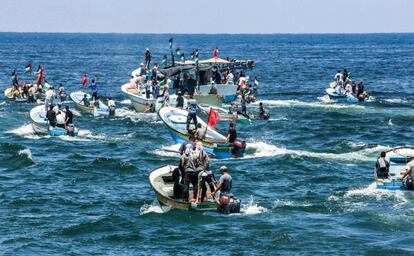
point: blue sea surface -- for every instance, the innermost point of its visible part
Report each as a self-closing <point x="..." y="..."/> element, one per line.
<point x="306" y="180"/>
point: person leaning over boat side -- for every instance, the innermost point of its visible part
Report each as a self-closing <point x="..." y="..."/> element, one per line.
<point x="68" y="116"/>
<point x="93" y="89"/>
<point x="231" y="134"/>
<point x="51" y="116"/>
<point x="180" y="100"/>
<point x="192" y="112"/>
<point x="147" y="58"/>
<point x="190" y="175"/>
<point x="382" y="166"/>
<point x="225" y="182"/>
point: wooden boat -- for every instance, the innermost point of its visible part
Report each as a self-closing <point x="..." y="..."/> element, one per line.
<point x="398" y="159"/>
<point x="161" y="181"/>
<point x="77" y="97"/>
<point x="214" y="143"/>
<point x="139" y="99"/>
<point x="41" y="126"/>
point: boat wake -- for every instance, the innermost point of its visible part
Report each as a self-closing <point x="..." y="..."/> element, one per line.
<point x="134" y="116"/>
<point x="168" y="151"/>
<point x="252" y="208"/>
<point x="155" y="207"/>
<point x="25" y="131"/>
<point x="323" y="103"/>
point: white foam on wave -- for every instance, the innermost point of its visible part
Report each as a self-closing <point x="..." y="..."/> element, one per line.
<point x="135" y="116"/>
<point x="297" y="103"/>
<point x="252" y="208"/>
<point x="169" y="151"/>
<point x="3" y="103"/>
<point x="353" y="144"/>
<point x="263" y="149"/>
<point x="155" y="207"/>
<point x="397" y="101"/>
<point x="390" y="122"/>
<point x="25" y="131"/>
<point x="27" y="152"/>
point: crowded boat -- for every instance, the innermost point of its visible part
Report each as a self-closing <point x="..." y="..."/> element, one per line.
<point x="344" y="88"/>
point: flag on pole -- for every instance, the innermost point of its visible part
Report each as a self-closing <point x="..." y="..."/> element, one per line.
<point x="213" y="117"/>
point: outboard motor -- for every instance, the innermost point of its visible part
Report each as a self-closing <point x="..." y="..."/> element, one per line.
<point x="228" y="204"/>
<point x="238" y="147"/>
<point x="409" y="183"/>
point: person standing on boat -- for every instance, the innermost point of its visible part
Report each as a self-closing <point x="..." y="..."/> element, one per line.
<point x="183" y="146"/>
<point x="215" y="52"/>
<point x="14" y="79"/>
<point x="225" y="182"/>
<point x="180" y="101"/>
<point x="338" y="77"/>
<point x="408" y="175"/>
<point x="361" y="88"/>
<point x="382" y="166"/>
<point x="111" y="106"/>
<point x="231" y="134"/>
<point x="147" y="87"/>
<point x="192" y="112"/>
<point x="93" y="89"/>
<point x="51" y="116"/>
<point x="68" y="116"/>
<point x="190" y="174"/>
<point x="147" y="58"/>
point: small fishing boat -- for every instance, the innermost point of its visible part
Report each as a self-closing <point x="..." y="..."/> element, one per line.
<point x="224" y="114"/>
<point x="162" y="181"/>
<point x="398" y="159"/>
<point x="100" y="110"/>
<point x="10" y="94"/>
<point x="41" y="126"/>
<point x="139" y="99"/>
<point x="214" y="143"/>
<point x="338" y="94"/>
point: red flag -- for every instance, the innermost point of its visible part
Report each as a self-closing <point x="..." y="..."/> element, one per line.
<point x="84" y="79"/>
<point x="213" y="117"/>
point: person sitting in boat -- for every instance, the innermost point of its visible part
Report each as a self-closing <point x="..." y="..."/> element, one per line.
<point x="192" y="112"/>
<point x="190" y="174"/>
<point x="225" y="182"/>
<point x="262" y="112"/>
<point x="382" y="167"/>
<point x="200" y="132"/>
<point x="338" y="77"/>
<point x="51" y="116"/>
<point x="93" y="88"/>
<point x="111" y="106"/>
<point x="60" y="120"/>
<point x="180" y="100"/>
<point x="85" y="100"/>
<point x="68" y="116"/>
<point x="213" y="89"/>
<point x="231" y="134"/>
<point x="408" y="175"/>
<point x="25" y="90"/>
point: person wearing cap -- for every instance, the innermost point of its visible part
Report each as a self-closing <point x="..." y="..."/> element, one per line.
<point x="187" y="168"/>
<point x="147" y="58"/>
<point x="225" y="182"/>
<point x="180" y="100"/>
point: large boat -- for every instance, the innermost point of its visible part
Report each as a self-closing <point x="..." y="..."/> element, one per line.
<point x="139" y="99"/>
<point x="214" y="142"/>
<point x="41" y="126"/>
<point x="162" y="182"/>
<point x="100" y="110"/>
<point x="398" y="159"/>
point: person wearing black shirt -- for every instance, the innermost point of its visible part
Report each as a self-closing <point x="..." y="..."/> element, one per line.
<point x="51" y="116"/>
<point x="68" y="116"/>
<point x="231" y="134"/>
<point x="180" y="101"/>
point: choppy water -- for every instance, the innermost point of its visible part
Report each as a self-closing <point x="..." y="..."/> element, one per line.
<point x="305" y="181"/>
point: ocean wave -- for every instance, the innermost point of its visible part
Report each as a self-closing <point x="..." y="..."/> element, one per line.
<point x="135" y="116"/>
<point x="26" y="152"/>
<point x="397" y="101"/>
<point x="154" y="207"/>
<point x="25" y="131"/>
<point x="297" y="103"/>
<point x="168" y="151"/>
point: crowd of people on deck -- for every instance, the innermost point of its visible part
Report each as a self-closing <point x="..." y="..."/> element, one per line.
<point x="345" y="85"/>
<point x="194" y="170"/>
<point x="30" y="91"/>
